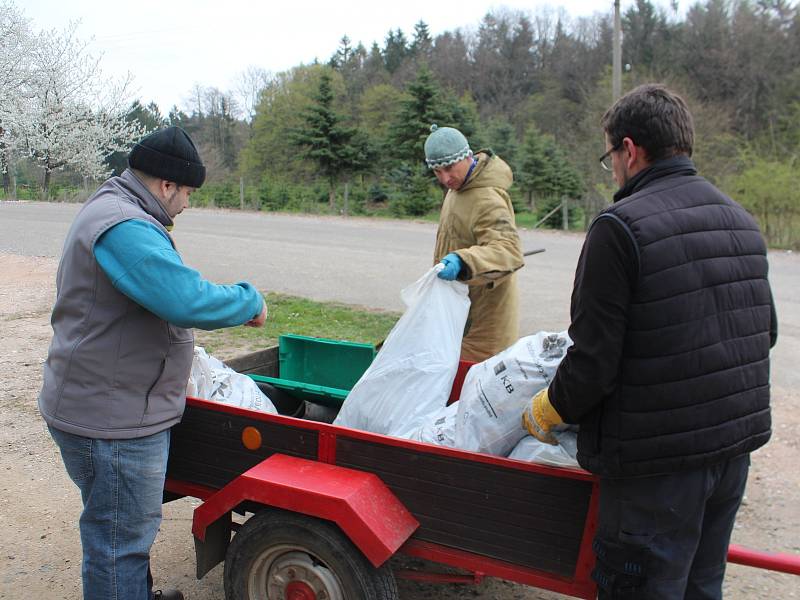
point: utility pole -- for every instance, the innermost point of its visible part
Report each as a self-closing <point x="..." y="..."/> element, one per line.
<point x="616" y="65"/>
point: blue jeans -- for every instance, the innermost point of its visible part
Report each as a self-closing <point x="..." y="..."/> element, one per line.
<point x="121" y="484"/>
<point x="666" y="537"/>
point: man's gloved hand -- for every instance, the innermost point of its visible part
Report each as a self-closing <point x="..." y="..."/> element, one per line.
<point x="452" y="267"/>
<point x="540" y="417"/>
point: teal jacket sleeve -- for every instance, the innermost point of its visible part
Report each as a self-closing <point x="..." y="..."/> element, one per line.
<point x="141" y="262"/>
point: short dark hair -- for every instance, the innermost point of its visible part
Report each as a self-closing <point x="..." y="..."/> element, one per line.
<point x="146" y="178"/>
<point x="655" y="118"/>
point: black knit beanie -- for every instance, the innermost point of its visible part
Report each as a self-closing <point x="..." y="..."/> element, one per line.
<point x="169" y="154"/>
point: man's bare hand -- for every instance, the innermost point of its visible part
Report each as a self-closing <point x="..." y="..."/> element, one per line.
<point x="260" y="319"/>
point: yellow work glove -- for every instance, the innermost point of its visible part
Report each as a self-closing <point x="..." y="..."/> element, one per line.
<point x="540" y="417"/>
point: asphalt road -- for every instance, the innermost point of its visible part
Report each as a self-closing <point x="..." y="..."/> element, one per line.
<point x="366" y="262"/>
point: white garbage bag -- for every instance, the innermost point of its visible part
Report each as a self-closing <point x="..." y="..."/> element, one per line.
<point x="562" y="455"/>
<point x="411" y="377"/>
<point x="497" y="391"/>
<point x="211" y="379"/>
<point x="201" y="377"/>
<point x="440" y="428"/>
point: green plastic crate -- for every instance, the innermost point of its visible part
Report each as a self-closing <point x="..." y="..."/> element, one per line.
<point x="319" y="370"/>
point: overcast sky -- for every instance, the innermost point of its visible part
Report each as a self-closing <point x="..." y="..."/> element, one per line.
<point x="171" y="45"/>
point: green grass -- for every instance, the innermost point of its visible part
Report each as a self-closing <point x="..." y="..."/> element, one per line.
<point x="526" y="219"/>
<point x="290" y="314"/>
<point x="433" y="217"/>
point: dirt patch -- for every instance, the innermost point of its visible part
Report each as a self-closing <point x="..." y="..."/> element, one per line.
<point x="40" y="507"/>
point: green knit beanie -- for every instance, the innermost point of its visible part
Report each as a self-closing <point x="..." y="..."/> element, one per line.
<point x="445" y="146"/>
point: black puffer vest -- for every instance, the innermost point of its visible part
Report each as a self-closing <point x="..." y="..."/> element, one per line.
<point x="693" y="385"/>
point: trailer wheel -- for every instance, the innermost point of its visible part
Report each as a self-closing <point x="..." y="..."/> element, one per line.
<point x="283" y="555"/>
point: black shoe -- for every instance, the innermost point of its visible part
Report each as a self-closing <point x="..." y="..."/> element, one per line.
<point x="167" y="595"/>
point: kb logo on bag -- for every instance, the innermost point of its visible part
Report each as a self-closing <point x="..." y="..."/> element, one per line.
<point x="504" y="380"/>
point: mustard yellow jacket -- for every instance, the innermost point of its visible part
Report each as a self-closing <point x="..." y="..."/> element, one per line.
<point x="477" y="223"/>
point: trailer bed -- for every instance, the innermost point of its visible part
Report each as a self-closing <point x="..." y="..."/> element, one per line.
<point x="521" y="521"/>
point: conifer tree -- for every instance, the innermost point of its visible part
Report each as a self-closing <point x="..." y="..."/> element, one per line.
<point x="343" y="53"/>
<point x="395" y="50"/>
<point x="500" y="138"/>
<point x="335" y="148"/>
<point x="421" y="108"/>
<point x="535" y="171"/>
<point x="545" y="175"/>
<point x="422" y="45"/>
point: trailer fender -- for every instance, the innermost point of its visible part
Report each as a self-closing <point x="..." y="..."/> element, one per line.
<point x="211" y="550"/>
<point x="358" y="502"/>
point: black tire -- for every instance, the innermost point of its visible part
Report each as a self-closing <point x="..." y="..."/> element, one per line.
<point x="276" y="552"/>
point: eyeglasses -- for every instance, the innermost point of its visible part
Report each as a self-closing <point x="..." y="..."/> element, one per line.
<point x="605" y="160"/>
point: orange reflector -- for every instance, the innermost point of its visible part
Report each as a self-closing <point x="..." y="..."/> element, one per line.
<point x="251" y="438"/>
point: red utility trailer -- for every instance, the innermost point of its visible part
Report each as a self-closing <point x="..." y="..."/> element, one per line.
<point x="328" y="506"/>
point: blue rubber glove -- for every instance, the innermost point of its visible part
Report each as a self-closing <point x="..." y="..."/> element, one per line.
<point x="452" y="267"/>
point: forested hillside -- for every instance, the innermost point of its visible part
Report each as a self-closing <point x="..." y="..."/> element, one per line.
<point x="346" y="134"/>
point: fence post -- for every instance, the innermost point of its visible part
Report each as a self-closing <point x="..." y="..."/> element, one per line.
<point x="241" y="193"/>
<point x="565" y="213"/>
<point x="547" y="216"/>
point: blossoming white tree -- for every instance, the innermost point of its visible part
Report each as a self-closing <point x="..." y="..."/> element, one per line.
<point x="16" y="45"/>
<point x="62" y="111"/>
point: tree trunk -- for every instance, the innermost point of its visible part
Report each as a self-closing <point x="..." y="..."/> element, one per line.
<point x="332" y="194"/>
<point x="46" y="185"/>
<point x="5" y="166"/>
<point x="9" y="179"/>
<point x="346" y="196"/>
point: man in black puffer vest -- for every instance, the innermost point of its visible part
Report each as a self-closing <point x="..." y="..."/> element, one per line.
<point x="668" y="378"/>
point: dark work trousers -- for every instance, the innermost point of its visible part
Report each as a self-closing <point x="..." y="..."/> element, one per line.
<point x="666" y="537"/>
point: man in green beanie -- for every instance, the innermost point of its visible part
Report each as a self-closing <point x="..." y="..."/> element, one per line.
<point x="477" y="240"/>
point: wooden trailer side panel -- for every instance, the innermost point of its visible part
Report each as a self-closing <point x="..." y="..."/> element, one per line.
<point x="206" y="447"/>
<point x="524" y="518"/>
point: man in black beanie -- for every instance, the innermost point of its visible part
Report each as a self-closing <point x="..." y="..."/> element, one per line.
<point x="116" y="372"/>
<point x="171" y="155"/>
